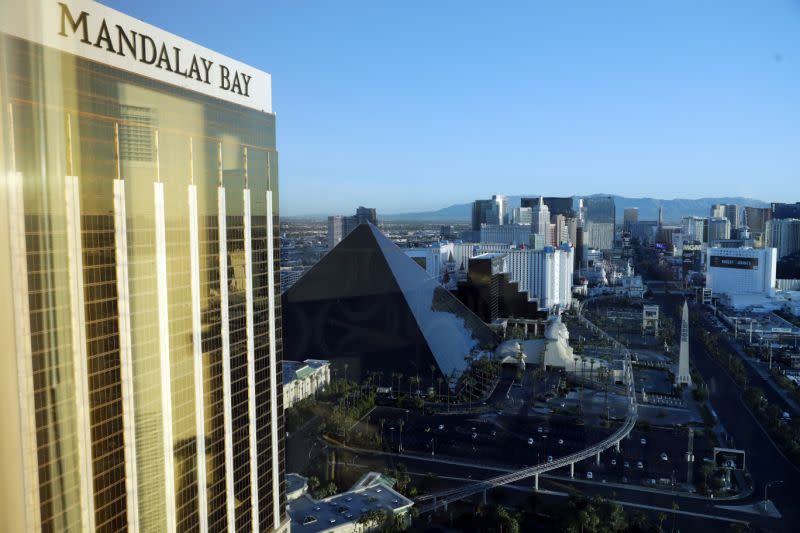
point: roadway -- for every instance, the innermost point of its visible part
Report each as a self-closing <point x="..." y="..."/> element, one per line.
<point x="772" y="391"/>
<point x="695" y="513"/>
<point x="765" y="462"/>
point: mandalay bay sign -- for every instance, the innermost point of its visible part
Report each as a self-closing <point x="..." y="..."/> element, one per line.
<point x="99" y="33"/>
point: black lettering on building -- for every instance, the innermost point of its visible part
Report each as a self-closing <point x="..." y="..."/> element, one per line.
<point x="194" y="70"/>
<point x="105" y="37"/>
<point x="246" y="79"/>
<point x="207" y="66"/>
<point x="66" y="16"/>
<point x="130" y="44"/>
<point x="177" y="67"/>
<point x="163" y="57"/>
<point x="224" y="78"/>
<point x="145" y="40"/>
<point x="236" y="86"/>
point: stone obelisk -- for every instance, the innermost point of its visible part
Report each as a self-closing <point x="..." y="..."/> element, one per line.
<point x="683" y="375"/>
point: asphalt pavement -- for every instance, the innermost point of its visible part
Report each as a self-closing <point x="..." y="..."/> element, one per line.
<point x="764" y="460"/>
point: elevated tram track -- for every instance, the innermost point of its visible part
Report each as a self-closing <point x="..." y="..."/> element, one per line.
<point x="430" y="502"/>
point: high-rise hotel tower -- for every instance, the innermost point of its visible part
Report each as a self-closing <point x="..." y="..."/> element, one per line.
<point x="140" y="329"/>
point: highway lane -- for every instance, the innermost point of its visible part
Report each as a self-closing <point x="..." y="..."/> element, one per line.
<point x="695" y="513"/>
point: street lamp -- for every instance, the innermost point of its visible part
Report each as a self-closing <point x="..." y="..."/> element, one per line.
<point x="776" y="482"/>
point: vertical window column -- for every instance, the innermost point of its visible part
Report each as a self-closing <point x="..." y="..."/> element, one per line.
<point x="126" y="356"/>
<point x="163" y="344"/>
<point x="24" y="351"/>
<point x="197" y="340"/>
<point x="226" y="356"/>
<point x="251" y="360"/>
<point x="273" y="370"/>
<point x="79" y="354"/>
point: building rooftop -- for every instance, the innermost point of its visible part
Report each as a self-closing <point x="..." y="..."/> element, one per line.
<point x="301" y="369"/>
<point x="489" y="255"/>
<point x="373" y="492"/>
<point x="296" y="486"/>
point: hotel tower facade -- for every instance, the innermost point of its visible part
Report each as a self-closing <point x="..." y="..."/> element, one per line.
<point x="140" y="320"/>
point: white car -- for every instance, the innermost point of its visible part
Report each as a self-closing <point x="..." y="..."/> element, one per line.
<point x="664" y="456"/>
<point x="643" y="441"/>
<point x="540" y="429"/>
<point x="561" y="441"/>
<point x="549" y="458"/>
<point x="530" y="440"/>
<point x="639" y="465"/>
<point x="613" y="462"/>
<point x="588" y="475"/>
<point x="441" y="427"/>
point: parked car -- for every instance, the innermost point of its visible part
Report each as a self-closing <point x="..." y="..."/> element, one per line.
<point x="530" y="440"/>
<point x="588" y="475"/>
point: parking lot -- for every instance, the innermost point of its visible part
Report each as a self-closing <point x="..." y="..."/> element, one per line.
<point x="655" y="455"/>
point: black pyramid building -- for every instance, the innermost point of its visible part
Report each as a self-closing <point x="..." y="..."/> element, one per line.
<point x="368" y="305"/>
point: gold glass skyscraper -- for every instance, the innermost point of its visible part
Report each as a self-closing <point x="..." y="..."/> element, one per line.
<point x="140" y="320"/>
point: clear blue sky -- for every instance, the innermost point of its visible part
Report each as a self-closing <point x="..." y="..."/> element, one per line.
<point x="415" y="105"/>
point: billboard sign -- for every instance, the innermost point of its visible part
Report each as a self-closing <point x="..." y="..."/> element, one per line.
<point x="742" y="263"/>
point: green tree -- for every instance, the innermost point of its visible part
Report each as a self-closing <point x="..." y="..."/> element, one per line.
<point x="675" y="508"/>
<point x="661" y="517"/>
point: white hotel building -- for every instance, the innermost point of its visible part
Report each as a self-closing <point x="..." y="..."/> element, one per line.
<point x="546" y="275"/>
<point x="744" y="275"/>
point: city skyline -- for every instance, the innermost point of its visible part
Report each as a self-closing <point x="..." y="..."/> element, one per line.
<point x="183" y="356"/>
<point x="623" y="99"/>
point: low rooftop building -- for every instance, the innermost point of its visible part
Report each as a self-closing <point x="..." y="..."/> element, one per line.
<point x="302" y="379"/>
<point x="369" y="496"/>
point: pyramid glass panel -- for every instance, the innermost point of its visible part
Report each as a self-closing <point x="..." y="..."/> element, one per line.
<point x="369" y="306"/>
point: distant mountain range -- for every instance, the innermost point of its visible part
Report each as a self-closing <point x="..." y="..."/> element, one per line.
<point x="674" y="210"/>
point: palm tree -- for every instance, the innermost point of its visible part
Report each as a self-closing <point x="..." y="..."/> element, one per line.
<point x="440" y="381"/>
<point x="675" y="508"/>
<point x="413" y="380"/>
<point x="661" y="517"/>
<point x="591" y="369"/>
<point x="382" y="422"/>
<point x="433" y="371"/>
